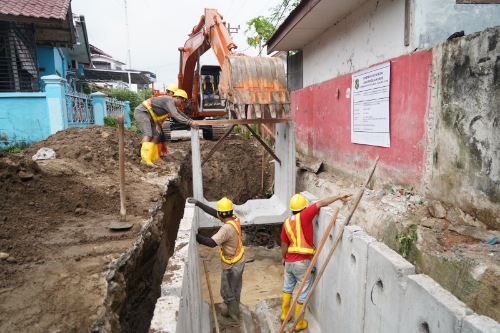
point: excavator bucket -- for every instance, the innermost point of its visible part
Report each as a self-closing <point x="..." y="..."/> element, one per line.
<point x="255" y="86"/>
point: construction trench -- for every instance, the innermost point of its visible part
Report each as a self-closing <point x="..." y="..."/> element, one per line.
<point x="160" y="285"/>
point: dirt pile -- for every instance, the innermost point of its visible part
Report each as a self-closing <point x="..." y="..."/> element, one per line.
<point x="55" y="247"/>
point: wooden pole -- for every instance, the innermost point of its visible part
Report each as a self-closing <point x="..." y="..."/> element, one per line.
<point x="334" y="246"/>
<point x="121" y="161"/>
<point x="311" y="266"/>
<point x="211" y="297"/>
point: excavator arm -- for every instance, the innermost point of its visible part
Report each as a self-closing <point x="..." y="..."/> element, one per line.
<point x="253" y="85"/>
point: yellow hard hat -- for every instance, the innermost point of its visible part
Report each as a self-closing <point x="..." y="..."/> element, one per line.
<point x="181" y="93"/>
<point x="172" y="87"/>
<point x="224" y="205"/>
<point x="298" y="202"/>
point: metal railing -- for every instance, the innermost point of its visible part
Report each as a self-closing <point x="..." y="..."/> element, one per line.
<point x="114" y="107"/>
<point x="79" y="108"/>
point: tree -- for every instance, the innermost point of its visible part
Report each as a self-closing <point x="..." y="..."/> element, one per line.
<point x="260" y="29"/>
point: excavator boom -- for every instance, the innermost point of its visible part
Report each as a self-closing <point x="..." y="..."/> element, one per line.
<point x="254" y="86"/>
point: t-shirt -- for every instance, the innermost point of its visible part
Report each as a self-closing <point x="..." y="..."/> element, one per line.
<point x="227" y="237"/>
<point x="163" y="105"/>
<point x="306" y="217"/>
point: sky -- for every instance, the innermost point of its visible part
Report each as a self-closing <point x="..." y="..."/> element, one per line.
<point x="157" y="28"/>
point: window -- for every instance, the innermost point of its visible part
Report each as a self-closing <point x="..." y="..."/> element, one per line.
<point x="18" y="58"/>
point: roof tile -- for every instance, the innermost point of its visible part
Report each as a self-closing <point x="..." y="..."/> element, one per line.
<point x="49" y="9"/>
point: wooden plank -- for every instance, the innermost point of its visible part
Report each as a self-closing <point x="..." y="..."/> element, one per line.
<point x="243" y="121"/>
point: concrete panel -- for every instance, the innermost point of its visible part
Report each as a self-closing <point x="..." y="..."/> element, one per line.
<point x="480" y="324"/>
<point x="386" y="278"/>
<point x="341" y="291"/>
<point x="427" y="307"/>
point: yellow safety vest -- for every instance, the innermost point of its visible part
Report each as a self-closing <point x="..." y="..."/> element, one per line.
<point x="239" y="250"/>
<point x="298" y="243"/>
<point x="156" y="119"/>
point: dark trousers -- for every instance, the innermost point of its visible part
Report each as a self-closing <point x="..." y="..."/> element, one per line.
<point x="231" y="282"/>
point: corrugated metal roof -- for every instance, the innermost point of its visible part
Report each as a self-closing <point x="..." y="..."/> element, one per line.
<point x="47" y="9"/>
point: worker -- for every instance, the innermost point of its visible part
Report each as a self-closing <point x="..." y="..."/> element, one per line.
<point x="162" y="139"/>
<point x="297" y="251"/>
<point x="152" y="113"/>
<point x="208" y="89"/>
<point x="232" y="254"/>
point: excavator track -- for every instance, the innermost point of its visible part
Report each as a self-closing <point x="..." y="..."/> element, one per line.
<point x="214" y="132"/>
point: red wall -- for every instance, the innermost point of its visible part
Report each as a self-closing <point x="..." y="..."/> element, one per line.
<point x="323" y="122"/>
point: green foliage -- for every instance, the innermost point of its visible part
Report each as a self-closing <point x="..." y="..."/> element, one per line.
<point x="111" y="122"/>
<point x="406" y="238"/>
<point x="13" y="149"/>
<point x="260" y="29"/>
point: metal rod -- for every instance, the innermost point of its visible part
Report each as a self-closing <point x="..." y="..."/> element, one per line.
<point x="218" y="144"/>
<point x="211" y="297"/>
<point x="309" y="270"/>
<point x="269" y="150"/>
<point x="335" y="243"/>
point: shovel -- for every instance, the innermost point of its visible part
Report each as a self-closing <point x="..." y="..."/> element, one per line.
<point x="122" y="224"/>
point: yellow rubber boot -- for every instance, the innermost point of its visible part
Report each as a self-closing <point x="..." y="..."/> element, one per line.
<point x="156" y="154"/>
<point x="301" y="322"/>
<point x="285" y="305"/>
<point x="147" y="151"/>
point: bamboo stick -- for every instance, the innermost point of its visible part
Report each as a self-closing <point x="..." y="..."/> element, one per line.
<point x="211" y="297"/>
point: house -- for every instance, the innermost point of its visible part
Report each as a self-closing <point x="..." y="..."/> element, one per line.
<point x="415" y="83"/>
<point x="105" y="71"/>
<point x="43" y="52"/>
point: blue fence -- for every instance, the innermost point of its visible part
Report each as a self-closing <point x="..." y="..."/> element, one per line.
<point x="26" y="117"/>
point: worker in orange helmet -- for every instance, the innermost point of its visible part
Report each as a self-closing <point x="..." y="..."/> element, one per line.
<point x="162" y="139"/>
<point x="154" y="111"/>
<point x="232" y="254"/>
<point x="297" y="250"/>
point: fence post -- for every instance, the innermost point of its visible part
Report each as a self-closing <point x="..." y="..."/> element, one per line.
<point x="99" y="106"/>
<point x="56" y="102"/>
<point x="126" y="112"/>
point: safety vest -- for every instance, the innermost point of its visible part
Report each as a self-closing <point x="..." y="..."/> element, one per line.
<point x="156" y="119"/>
<point x="298" y="243"/>
<point x="239" y="249"/>
<point x="205" y="87"/>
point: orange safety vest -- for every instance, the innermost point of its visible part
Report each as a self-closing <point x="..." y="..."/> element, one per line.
<point x="156" y="119"/>
<point x="298" y="243"/>
<point x="239" y="249"/>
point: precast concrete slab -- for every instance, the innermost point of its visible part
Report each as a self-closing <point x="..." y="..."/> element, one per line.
<point x="427" y="307"/>
<point x="479" y="324"/>
<point x="386" y="278"/>
<point x="259" y="211"/>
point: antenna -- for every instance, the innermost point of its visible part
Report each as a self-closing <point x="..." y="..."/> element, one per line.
<point x="128" y="36"/>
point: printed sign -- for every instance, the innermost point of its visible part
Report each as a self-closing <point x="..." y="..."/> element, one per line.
<point x="370" y="106"/>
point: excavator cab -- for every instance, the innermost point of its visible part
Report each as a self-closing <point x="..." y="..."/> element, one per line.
<point x="210" y="99"/>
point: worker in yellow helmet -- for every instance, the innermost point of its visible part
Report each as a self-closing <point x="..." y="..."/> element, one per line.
<point x="162" y="139"/>
<point x="154" y="111"/>
<point x="232" y="254"/>
<point x="297" y="250"/>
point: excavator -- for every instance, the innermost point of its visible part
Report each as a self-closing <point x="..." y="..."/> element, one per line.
<point x="245" y="86"/>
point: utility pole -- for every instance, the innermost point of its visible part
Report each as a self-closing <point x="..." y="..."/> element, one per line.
<point x="128" y="44"/>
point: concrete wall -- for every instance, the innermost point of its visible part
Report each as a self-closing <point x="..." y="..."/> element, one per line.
<point x="366" y="287"/>
<point x="324" y="129"/>
<point x="464" y="143"/>
<point x="434" y="21"/>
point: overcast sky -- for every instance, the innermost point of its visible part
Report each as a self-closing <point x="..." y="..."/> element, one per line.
<point x="158" y="27"/>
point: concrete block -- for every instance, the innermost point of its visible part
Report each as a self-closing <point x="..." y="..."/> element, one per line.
<point x="386" y="278"/>
<point x="339" y="299"/>
<point x="479" y="324"/>
<point x="427" y="307"/>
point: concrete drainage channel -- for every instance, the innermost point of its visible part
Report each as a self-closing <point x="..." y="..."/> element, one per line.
<point x="134" y="279"/>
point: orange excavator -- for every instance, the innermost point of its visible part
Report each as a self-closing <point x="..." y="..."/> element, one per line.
<point x="243" y="86"/>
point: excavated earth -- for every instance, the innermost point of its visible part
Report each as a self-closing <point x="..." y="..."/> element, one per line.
<point x="63" y="270"/>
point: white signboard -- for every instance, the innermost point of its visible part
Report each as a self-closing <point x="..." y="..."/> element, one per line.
<point x="370" y="106"/>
